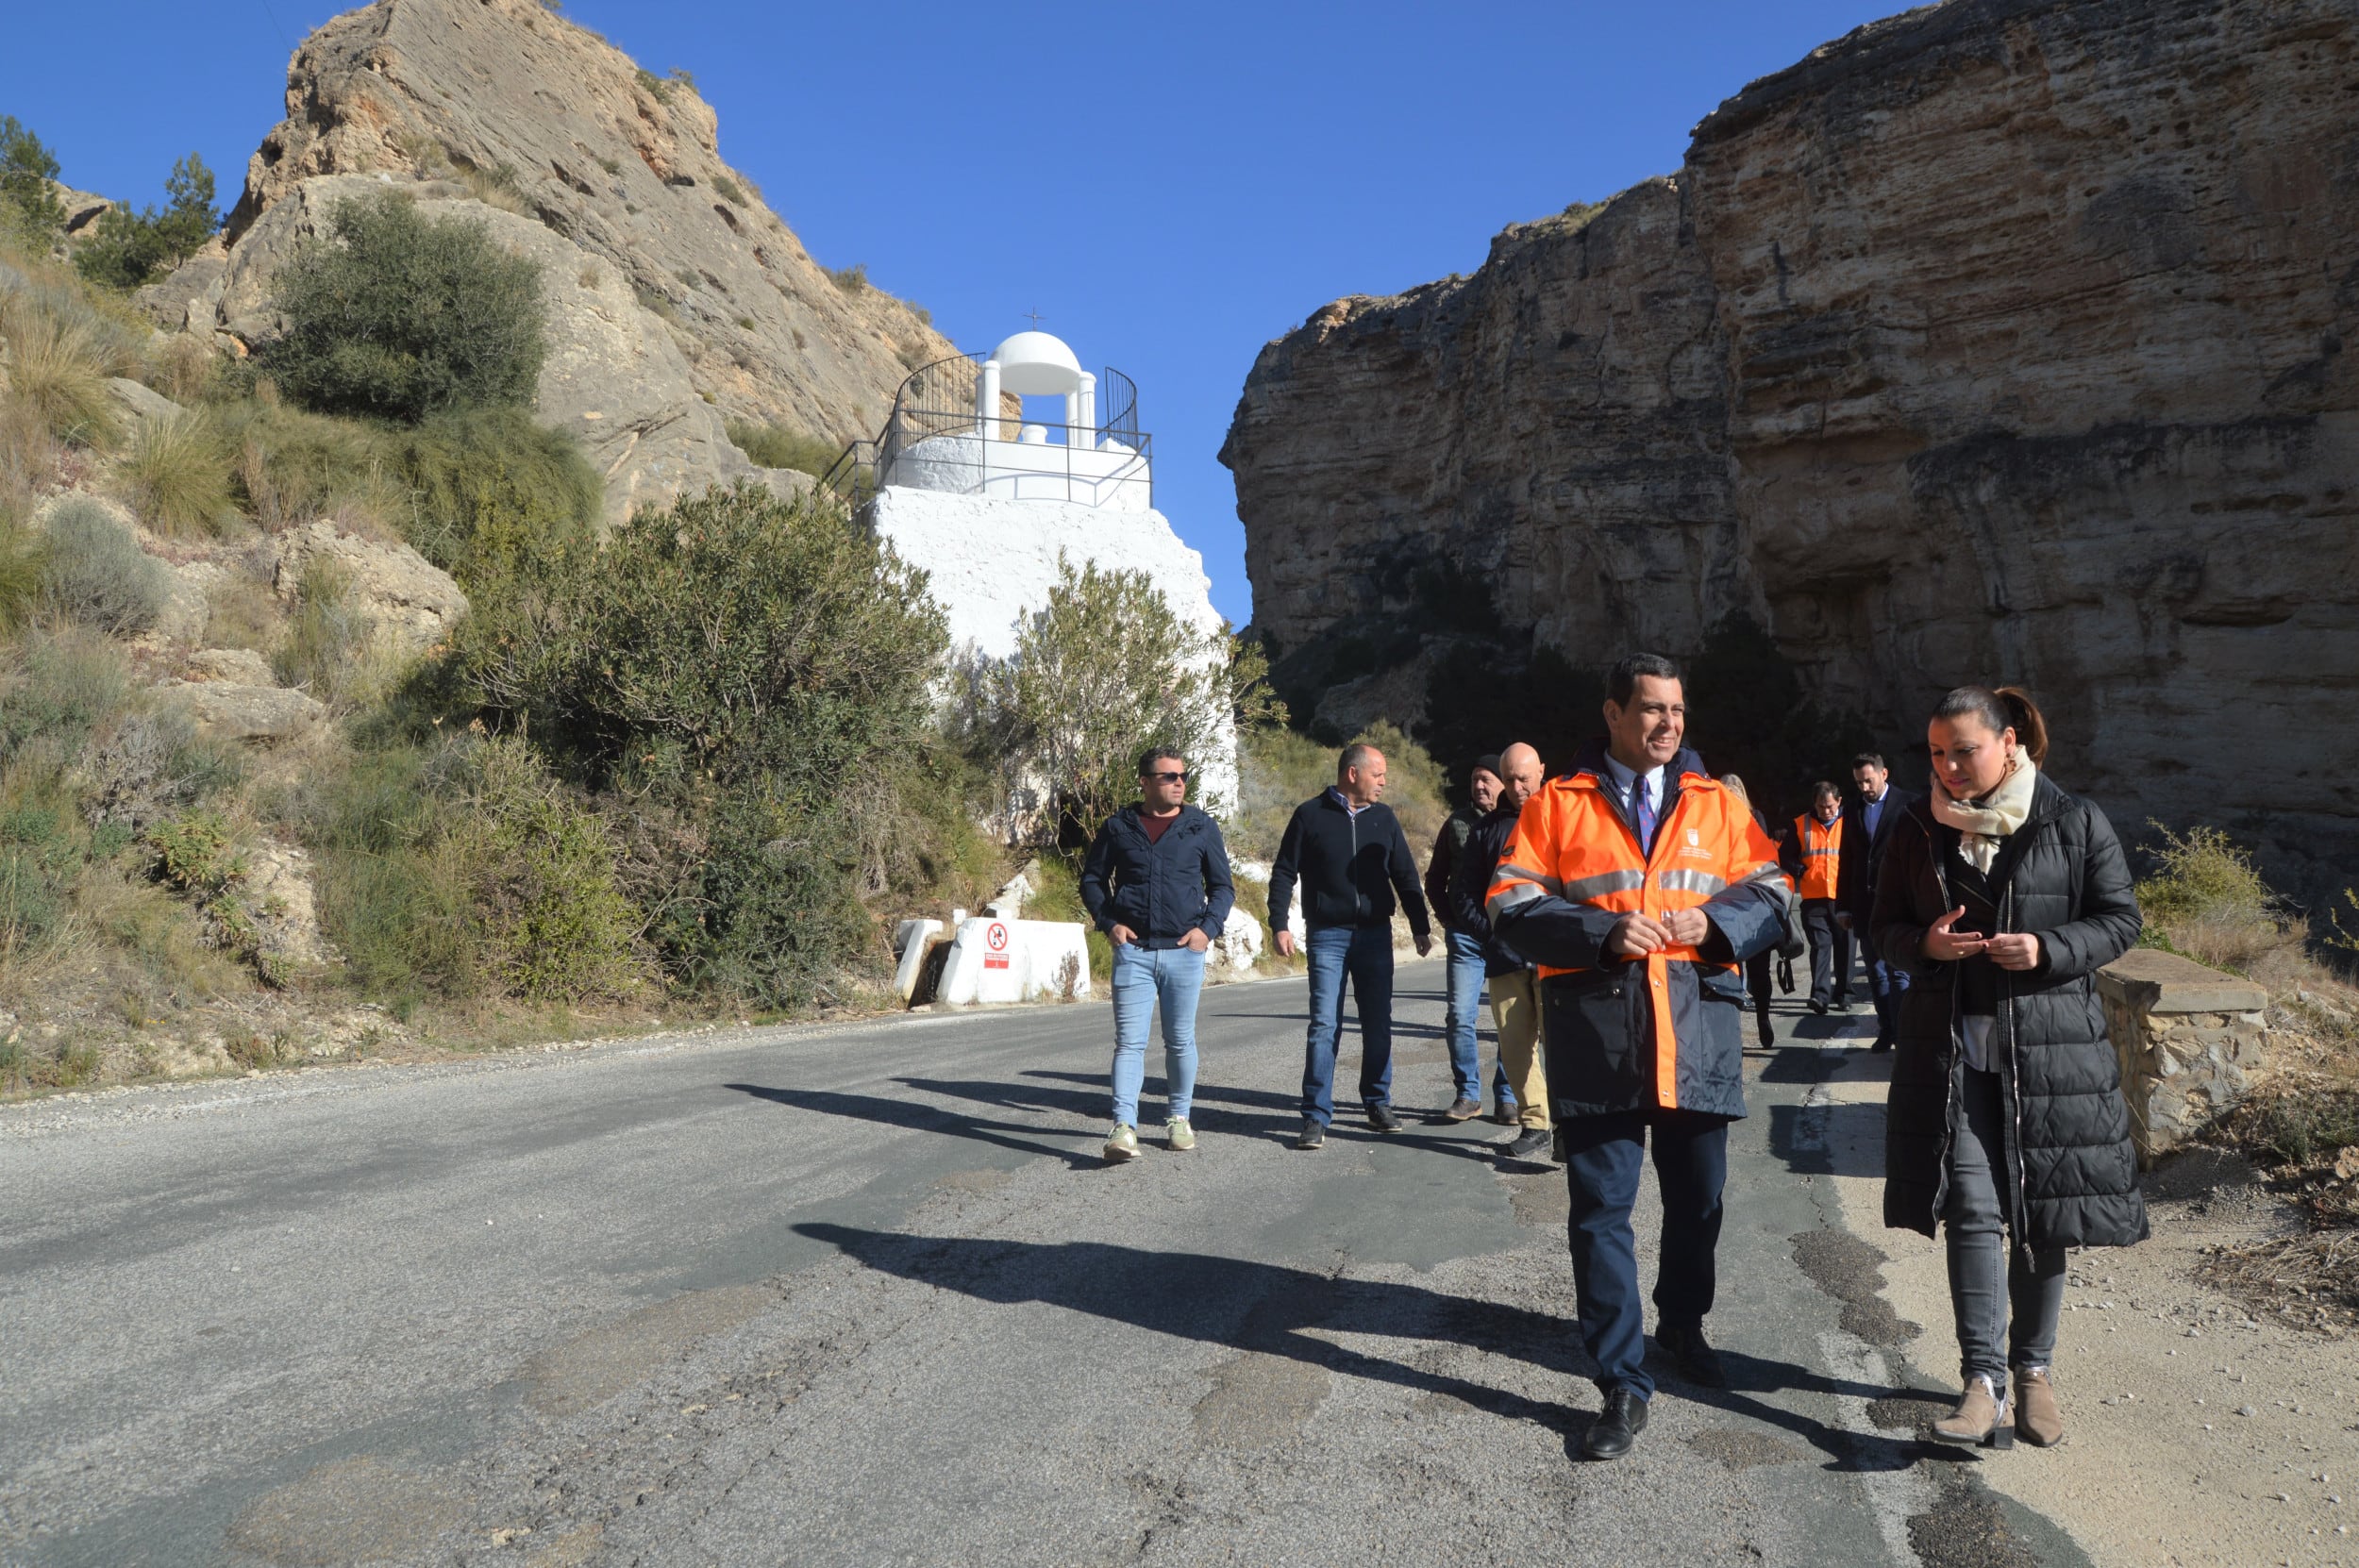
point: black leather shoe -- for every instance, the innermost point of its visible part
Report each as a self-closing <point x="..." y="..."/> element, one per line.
<point x="1818" y="1006"/>
<point x="1313" y="1136"/>
<point x="1380" y="1119"/>
<point x="1617" y="1427"/>
<point x="1697" y="1360"/>
<point x="1884" y="1042"/>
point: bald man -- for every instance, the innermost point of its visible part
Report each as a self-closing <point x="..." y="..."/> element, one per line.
<point x="1514" y="1000"/>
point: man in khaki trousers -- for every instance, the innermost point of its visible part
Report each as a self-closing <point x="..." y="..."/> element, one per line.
<point x="1515" y="997"/>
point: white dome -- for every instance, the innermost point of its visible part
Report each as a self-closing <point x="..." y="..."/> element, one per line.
<point x="1035" y="364"/>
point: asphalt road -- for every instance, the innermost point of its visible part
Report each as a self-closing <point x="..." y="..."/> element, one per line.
<point x="867" y="1296"/>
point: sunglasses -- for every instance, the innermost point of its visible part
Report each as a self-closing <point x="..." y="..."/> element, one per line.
<point x="1167" y="777"/>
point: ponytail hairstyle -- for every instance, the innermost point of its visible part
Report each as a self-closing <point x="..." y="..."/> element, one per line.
<point x="2007" y="707"/>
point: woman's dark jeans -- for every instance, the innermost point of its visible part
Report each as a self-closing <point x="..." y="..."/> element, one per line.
<point x="1998" y="1292"/>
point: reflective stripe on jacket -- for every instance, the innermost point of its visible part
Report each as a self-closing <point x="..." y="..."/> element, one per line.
<point x="1571" y="870"/>
<point x="1820" y="846"/>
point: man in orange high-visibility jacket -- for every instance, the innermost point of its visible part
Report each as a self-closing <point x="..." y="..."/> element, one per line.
<point x="1813" y="855"/>
<point x="1638" y="884"/>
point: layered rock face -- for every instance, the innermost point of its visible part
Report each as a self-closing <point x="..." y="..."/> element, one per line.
<point x="2002" y="340"/>
<point x="624" y="165"/>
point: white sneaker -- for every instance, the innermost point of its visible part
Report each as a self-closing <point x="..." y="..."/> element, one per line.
<point x="1122" y="1145"/>
<point x="1177" y="1135"/>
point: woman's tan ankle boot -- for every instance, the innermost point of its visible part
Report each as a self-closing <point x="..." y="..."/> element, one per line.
<point x="2037" y="1420"/>
<point x="1980" y="1418"/>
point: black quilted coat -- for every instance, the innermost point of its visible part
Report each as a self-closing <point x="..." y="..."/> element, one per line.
<point x="2072" y="1176"/>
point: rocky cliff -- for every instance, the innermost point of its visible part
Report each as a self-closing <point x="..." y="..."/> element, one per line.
<point x="2002" y="340"/>
<point x="623" y="164"/>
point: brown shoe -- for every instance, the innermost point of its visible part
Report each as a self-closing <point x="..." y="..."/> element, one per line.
<point x="2037" y="1420"/>
<point x="1980" y="1418"/>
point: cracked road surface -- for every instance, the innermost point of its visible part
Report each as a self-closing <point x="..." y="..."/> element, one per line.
<point x="865" y="1294"/>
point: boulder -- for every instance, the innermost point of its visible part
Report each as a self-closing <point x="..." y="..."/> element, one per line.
<point x="279" y="901"/>
<point x="257" y="713"/>
<point x="143" y="402"/>
<point x="614" y="378"/>
<point x="2066" y="404"/>
<point x="1238" y="947"/>
<point x="188" y="298"/>
<point x="233" y="666"/>
<point x="550" y="118"/>
<point x="413" y="601"/>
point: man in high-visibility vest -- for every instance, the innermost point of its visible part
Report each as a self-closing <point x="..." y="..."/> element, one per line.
<point x="1813" y="856"/>
<point x="1638" y="884"/>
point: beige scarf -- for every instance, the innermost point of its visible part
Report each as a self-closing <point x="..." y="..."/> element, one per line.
<point x="1983" y="823"/>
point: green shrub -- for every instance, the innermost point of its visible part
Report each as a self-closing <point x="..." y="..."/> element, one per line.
<point x="21" y="572"/>
<point x="38" y="856"/>
<point x="58" y="689"/>
<point x="779" y="920"/>
<point x="94" y="572"/>
<point x="493" y="497"/>
<point x="393" y="889"/>
<point x="853" y="279"/>
<point x="1280" y="769"/>
<point x="1104" y="667"/>
<point x="175" y="475"/>
<point x="759" y="638"/>
<point x="776" y="446"/>
<point x="27" y="169"/>
<point x="400" y="316"/>
<point x="730" y="191"/>
<point x="131" y="248"/>
<point x="2206" y="900"/>
<point x="197" y="855"/>
<point x="556" y="924"/>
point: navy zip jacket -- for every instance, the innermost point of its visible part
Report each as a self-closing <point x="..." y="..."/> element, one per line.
<point x="1351" y="868"/>
<point x="1163" y="888"/>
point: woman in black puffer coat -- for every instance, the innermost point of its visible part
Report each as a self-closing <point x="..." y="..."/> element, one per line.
<point x="2001" y="896"/>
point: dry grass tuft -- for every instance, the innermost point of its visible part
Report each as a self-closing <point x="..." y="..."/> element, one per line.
<point x="59" y="364"/>
<point x="175" y="475"/>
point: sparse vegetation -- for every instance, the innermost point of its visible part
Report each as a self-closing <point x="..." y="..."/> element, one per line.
<point x="94" y="573"/>
<point x="853" y="279"/>
<point x="730" y="191"/>
<point x="60" y="358"/>
<point x="777" y="446"/>
<point x="1280" y="769"/>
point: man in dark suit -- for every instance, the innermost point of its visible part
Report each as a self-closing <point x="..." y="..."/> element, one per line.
<point x="1868" y="818"/>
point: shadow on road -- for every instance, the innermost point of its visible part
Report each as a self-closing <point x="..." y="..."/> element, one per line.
<point x="1284" y="1118"/>
<point x="1275" y="1309"/>
<point x="921" y="1118"/>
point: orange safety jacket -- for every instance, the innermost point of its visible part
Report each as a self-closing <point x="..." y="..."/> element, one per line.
<point x="1820" y="844"/>
<point x="1572" y="843"/>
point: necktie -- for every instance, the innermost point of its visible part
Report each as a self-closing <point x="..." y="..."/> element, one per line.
<point x="1641" y="813"/>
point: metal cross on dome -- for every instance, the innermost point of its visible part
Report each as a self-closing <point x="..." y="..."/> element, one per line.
<point x="1035" y="317"/>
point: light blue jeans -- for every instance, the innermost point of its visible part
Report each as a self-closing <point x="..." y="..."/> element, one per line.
<point x="1143" y="978"/>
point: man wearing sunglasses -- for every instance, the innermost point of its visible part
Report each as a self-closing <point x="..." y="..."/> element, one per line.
<point x="1156" y="881"/>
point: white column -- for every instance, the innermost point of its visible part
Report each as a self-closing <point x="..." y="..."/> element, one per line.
<point x="1088" y="422"/>
<point x="1072" y="418"/>
<point x="987" y="400"/>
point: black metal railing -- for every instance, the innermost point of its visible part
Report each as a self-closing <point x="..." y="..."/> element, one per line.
<point x="938" y="400"/>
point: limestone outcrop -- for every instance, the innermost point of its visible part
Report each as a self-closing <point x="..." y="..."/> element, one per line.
<point x="2003" y="340"/>
<point x="546" y="115"/>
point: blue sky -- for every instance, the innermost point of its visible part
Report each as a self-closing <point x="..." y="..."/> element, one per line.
<point x="1195" y="179"/>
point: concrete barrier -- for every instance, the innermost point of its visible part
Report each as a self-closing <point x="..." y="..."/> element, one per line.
<point x="1015" y="960"/>
<point x="2189" y="1037"/>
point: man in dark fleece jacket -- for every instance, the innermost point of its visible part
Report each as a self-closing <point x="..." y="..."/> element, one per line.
<point x="1157" y="883"/>
<point x="1347" y="854"/>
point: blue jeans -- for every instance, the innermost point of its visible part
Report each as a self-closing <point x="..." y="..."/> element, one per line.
<point x="1885" y="987"/>
<point x="1143" y="977"/>
<point x="1364" y="953"/>
<point x="1467" y="999"/>
<point x="1603" y="1156"/>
